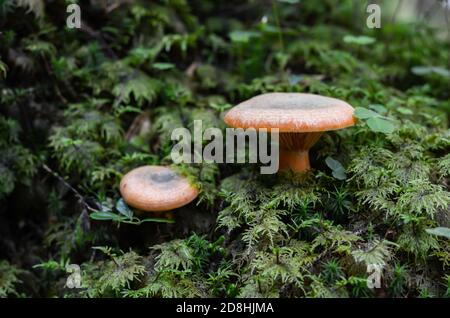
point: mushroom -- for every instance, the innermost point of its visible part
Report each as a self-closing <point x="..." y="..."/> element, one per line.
<point x="301" y="120"/>
<point x="156" y="188"/>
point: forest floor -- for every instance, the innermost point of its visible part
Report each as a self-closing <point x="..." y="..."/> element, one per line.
<point x="79" y="108"/>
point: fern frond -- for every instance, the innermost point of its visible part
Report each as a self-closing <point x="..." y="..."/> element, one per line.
<point x="35" y="6"/>
<point x="374" y="253"/>
<point x="421" y="197"/>
<point x="175" y="254"/>
<point x="139" y="86"/>
<point x="118" y="273"/>
<point x="9" y="279"/>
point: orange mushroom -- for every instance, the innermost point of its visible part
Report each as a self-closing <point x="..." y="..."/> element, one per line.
<point x="301" y="120"/>
<point x="156" y="188"/>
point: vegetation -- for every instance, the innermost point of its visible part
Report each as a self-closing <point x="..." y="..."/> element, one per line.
<point x="81" y="107"/>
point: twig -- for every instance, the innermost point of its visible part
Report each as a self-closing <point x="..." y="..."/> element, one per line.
<point x="57" y="90"/>
<point x="96" y="35"/>
<point x="80" y="198"/>
<point x="117" y="4"/>
<point x="137" y="124"/>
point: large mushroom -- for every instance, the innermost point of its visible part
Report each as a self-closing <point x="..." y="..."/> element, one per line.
<point x="301" y="120"/>
<point x="156" y="188"/>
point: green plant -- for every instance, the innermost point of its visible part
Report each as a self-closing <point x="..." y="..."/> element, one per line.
<point x="9" y="279"/>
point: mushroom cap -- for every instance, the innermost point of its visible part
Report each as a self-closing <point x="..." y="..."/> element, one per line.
<point x="156" y="188"/>
<point x="291" y="112"/>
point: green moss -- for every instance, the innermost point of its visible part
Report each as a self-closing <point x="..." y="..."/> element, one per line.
<point x="79" y="108"/>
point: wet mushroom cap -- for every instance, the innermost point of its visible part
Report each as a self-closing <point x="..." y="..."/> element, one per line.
<point x="156" y="188"/>
<point x="291" y="112"/>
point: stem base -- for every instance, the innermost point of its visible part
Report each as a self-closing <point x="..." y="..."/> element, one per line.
<point x="296" y="160"/>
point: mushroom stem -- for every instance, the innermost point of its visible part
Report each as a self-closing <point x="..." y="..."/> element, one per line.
<point x="294" y="150"/>
<point x="296" y="160"/>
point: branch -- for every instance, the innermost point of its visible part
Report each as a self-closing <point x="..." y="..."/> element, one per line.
<point x="81" y="199"/>
<point x="96" y="35"/>
<point x="117" y="4"/>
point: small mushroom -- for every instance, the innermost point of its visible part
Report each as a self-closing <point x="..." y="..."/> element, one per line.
<point x="301" y="120"/>
<point x="156" y="188"/>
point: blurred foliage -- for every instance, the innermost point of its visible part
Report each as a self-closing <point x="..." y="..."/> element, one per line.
<point x="81" y="107"/>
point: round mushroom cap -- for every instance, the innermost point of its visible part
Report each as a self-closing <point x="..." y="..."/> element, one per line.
<point x="291" y="112"/>
<point x="156" y="188"/>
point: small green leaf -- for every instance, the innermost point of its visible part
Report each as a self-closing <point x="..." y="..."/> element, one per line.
<point x="103" y="216"/>
<point x="439" y="231"/>
<point x="123" y="209"/>
<point x="3" y="69"/>
<point x="441" y="71"/>
<point x="382" y="125"/>
<point x="359" y="40"/>
<point x="339" y="174"/>
<point x="428" y="70"/>
<point x="364" y="113"/>
<point x="290" y="1"/>
<point x="242" y="36"/>
<point x="127" y="109"/>
<point x="163" y="66"/>
<point x="405" y="111"/>
<point x="220" y="107"/>
<point x="50" y="265"/>
<point x="333" y="164"/>
<point x="380" y="109"/>
<point x="338" y="171"/>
